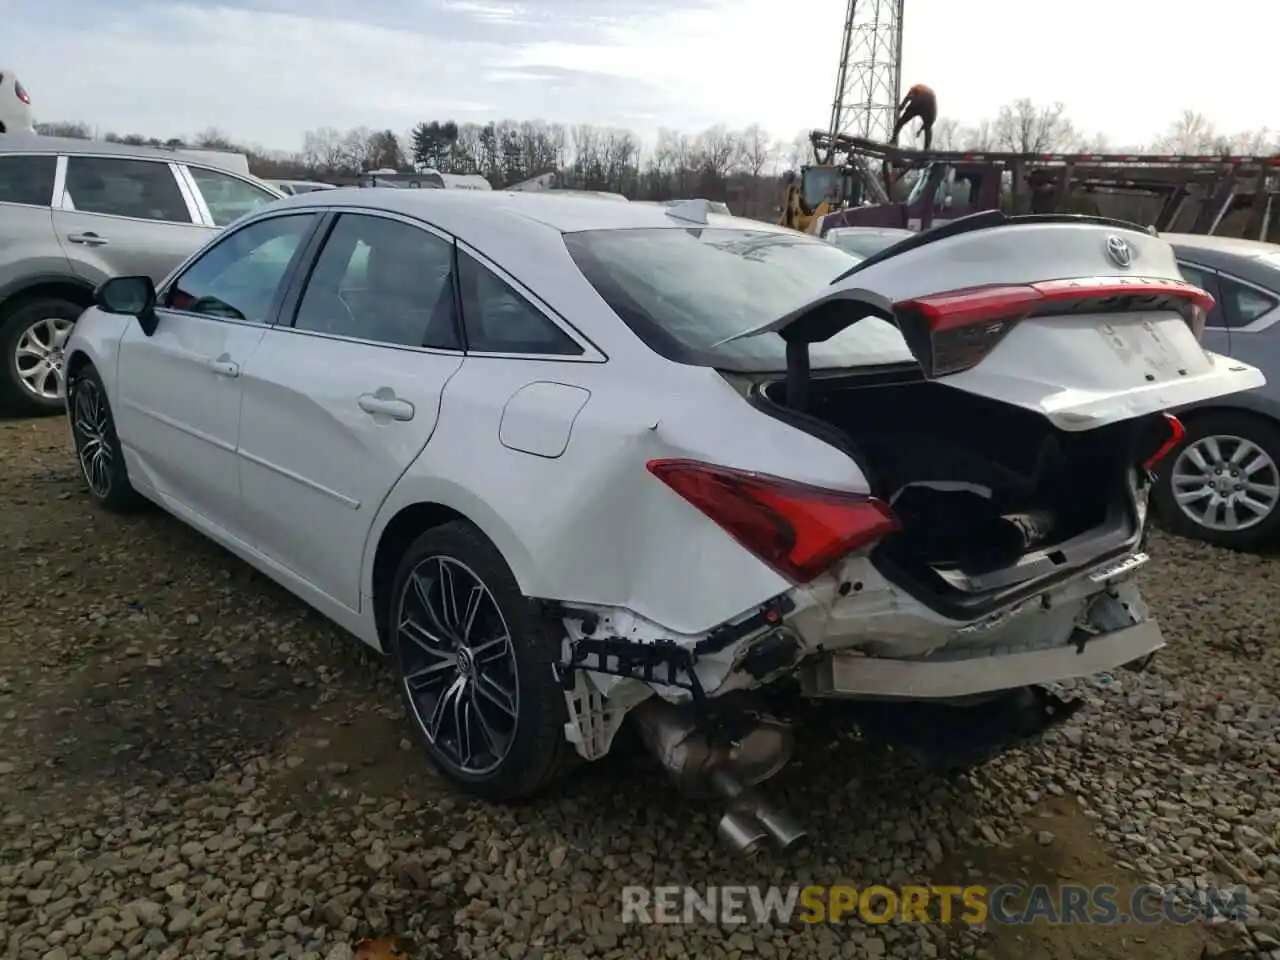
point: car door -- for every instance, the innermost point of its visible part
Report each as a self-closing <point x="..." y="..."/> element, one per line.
<point x="121" y="216"/>
<point x="222" y="197"/>
<point x="179" y="389"/>
<point x="1217" y="333"/>
<point x="343" y="394"/>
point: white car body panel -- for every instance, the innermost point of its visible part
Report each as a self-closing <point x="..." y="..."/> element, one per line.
<point x="181" y="417"/>
<point x="547" y="455"/>
<point x="315" y="465"/>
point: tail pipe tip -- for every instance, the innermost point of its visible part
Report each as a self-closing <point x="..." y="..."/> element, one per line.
<point x="743" y="833"/>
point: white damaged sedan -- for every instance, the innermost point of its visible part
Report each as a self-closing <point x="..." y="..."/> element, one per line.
<point x="568" y="461"/>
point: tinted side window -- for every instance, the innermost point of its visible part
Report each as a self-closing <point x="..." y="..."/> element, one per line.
<point x="499" y="320"/>
<point x="382" y="280"/>
<point x="238" y="277"/>
<point x="1243" y="305"/>
<point x="27" y="180"/>
<point x="1208" y="282"/>
<point x="228" y="198"/>
<point x="144" y="189"/>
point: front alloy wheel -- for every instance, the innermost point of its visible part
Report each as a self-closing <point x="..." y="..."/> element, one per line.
<point x="90" y="427"/>
<point x="93" y="432"/>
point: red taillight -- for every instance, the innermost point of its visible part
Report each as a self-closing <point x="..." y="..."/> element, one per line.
<point x="958" y="328"/>
<point x="797" y="529"/>
<point x="21" y="91"/>
<point x="1176" y="433"/>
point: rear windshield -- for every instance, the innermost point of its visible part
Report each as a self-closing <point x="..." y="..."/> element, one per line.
<point x="684" y="290"/>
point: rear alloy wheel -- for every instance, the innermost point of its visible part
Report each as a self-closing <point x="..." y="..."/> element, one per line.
<point x="1222" y="483"/>
<point x="33" y="338"/>
<point x="474" y="659"/>
<point x="97" y="447"/>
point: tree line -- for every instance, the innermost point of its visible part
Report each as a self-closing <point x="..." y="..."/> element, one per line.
<point x="737" y="166"/>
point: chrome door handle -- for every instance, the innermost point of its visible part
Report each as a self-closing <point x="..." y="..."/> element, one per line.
<point x="377" y="404"/>
<point x="225" y="367"/>
<point x="89" y="239"/>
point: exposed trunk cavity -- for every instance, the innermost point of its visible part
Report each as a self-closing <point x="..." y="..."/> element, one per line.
<point x="990" y="496"/>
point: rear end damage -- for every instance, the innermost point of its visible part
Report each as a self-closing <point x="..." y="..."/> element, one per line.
<point x="712" y="708"/>
<point x="991" y="551"/>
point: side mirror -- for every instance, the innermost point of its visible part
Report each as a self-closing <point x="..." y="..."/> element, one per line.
<point x="129" y="297"/>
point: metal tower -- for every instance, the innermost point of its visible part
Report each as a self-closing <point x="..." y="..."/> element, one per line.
<point x="869" y="79"/>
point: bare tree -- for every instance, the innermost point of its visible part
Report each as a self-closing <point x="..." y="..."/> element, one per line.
<point x="73" y="131"/>
<point x="980" y="137"/>
<point x="214" y="139"/>
<point x="1256" y="143"/>
<point x="1192" y="133"/>
<point x="715" y="150"/>
<point x="323" y="149"/>
<point x="948" y="135"/>
<point x="1026" y="127"/>
<point x="756" y="149"/>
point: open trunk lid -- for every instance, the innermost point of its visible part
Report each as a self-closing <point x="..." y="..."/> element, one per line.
<point x="1083" y="320"/>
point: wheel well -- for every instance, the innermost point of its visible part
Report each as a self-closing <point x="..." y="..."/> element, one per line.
<point x="405" y="527"/>
<point x="56" y="289"/>
<point x="1199" y="413"/>
<point x="75" y="363"/>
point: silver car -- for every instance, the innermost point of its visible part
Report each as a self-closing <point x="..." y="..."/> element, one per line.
<point x="75" y="212"/>
<point x="1222" y="483"/>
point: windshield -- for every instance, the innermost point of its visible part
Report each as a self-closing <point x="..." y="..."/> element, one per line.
<point x="821" y="183"/>
<point x="684" y="290"/>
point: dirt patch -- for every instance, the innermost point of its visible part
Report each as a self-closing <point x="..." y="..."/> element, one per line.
<point x="1071" y="855"/>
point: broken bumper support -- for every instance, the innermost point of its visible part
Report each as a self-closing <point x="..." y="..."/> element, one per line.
<point x="858" y="676"/>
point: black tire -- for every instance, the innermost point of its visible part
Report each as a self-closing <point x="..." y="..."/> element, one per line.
<point x="536" y="751"/>
<point x="15" y="396"/>
<point x="98" y="453"/>
<point x="1254" y="429"/>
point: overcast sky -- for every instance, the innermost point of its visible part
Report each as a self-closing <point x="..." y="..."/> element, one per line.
<point x="266" y="70"/>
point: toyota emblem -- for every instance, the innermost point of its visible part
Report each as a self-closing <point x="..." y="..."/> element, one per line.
<point x="1119" y="251"/>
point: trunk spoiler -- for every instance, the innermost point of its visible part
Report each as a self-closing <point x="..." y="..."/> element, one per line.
<point x="815" y="322"/>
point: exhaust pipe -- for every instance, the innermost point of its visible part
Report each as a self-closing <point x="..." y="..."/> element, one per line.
<point x="781" y="827"/>
<point x="702" y="768"/>
<point x="742" y="833"/>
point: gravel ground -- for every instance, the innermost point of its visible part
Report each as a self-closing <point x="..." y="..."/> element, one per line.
<point x="192" y="764"/>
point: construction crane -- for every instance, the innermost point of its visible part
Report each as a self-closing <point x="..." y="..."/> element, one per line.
<point x="867" y="93"/>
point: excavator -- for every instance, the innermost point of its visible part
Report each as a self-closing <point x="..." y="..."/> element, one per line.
<point x="836" y="180"/>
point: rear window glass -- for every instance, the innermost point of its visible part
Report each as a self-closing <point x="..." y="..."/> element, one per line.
<point x="684" y="290"/>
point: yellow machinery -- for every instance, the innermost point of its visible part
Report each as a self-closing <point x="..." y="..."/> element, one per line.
<point x="808" y="198"/>
<point x="828" y="185"/>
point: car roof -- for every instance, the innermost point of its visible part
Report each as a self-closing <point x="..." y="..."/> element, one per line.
<point x="1234" y="245"/>
<point x="456" y="210"/>
<point x="1231" y="254"/>
<point x="34" y="143"/>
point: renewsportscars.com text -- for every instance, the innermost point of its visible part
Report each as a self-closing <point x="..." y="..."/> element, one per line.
<point x="1003" y="904"/>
